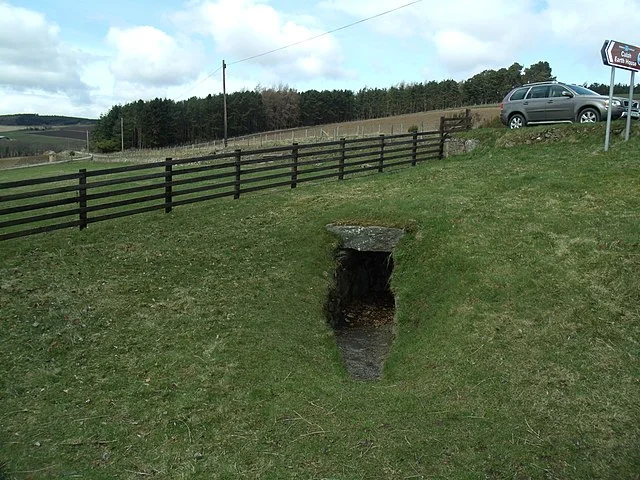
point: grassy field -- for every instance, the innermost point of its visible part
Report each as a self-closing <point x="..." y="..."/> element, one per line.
<point x="194" y="344"/>
<point x="62" y="139"/>
<point x="76" y="132"/>
<point x="15" y="162"/>
<point x="9" y="128"/>
<point x="425" y="121"/>
<point x="35" y="142"/>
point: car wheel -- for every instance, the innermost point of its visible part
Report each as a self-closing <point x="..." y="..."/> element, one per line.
<point x="589" y="115"/>
<point x="517" y="121"/>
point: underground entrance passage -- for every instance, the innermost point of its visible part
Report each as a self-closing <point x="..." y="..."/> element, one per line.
<point x="360" y="304"/>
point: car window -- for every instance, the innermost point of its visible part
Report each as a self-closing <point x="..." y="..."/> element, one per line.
<point x="519" y="94"/>
<point x="541" y="91"/>
<point x="556" y="91"/>
<point x="583" y="91"/>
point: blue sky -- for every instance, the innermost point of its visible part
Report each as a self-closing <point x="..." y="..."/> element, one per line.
<point x="80" y="58"/>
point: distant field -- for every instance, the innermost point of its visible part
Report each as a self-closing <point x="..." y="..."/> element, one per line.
<point x="36" y="142"/>
<point x="56" y="134"/>
<point x="7" y="128"/>
<point x="430" y="120"/>
<point x="388" y="125"/>
<point x="76" y="132"/>
<point x="13" y="162"/>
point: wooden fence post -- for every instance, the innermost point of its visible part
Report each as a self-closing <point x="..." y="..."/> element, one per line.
<point x="236" y="187"/>
<point x="168" y="190"/>
<point x="343" y="155"/>
<point x="82" y="198"/>
<point x="467" y="116"/>
<point x="414" y="149"/>
<point x="381" y="161"/>
<point x="294" y="165"/>
<point x="442" y="135"/>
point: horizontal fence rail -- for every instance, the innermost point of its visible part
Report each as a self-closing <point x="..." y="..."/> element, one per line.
<point x="40" y="205"/>
<point x="449" y="125"/>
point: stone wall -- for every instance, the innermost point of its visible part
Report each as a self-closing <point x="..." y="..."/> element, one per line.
<point x="458" y="146"/>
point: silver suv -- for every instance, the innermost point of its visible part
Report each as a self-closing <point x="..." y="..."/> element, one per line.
<point x="551" y="102"/>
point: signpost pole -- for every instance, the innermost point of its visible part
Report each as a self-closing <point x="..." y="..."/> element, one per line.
<point x="608" y="134"/>
<point x="628" y="131"/>
<point x="625" y="56"/>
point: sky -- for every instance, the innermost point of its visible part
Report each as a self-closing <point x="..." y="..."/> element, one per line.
<point x="65" y="57"/>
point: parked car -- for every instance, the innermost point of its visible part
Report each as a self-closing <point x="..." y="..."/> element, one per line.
<point x="551" y="102"/>
<point x="635" y="109"/>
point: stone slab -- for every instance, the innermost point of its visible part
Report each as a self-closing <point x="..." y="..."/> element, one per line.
<point x="367" y="239"/>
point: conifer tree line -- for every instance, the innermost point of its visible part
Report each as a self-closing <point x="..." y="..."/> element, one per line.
<point x="164" y="122"/>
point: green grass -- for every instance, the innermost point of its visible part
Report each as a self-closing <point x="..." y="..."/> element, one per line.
<point x="25" y="142"/>
<point x="258" y="172"/>
<point x="193" y="345"/>
<point x="40" y="138"/>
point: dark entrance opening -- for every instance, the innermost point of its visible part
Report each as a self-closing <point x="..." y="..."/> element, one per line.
<point x="361" y="285"/>
<point x="361" y="309"/>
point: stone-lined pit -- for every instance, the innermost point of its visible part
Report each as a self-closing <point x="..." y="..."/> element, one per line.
<point x="360" y="304"/>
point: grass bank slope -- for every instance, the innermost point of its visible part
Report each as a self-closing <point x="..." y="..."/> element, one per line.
<point x="193" y="345"/>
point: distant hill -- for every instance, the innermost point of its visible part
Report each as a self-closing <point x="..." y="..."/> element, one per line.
<point x="35" y="120"/>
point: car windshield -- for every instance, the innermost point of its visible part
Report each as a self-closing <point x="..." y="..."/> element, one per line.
<point x="582" y="90"/>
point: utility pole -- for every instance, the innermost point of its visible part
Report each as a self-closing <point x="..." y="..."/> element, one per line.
<point x="87" y="141"/>
<point x="121" y="133"/>
<point x="224" y="99"/>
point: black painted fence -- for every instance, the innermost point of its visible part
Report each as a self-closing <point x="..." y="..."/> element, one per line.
<point x="39" y="205"/>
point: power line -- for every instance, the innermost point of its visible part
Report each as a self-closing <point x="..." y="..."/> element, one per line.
<point x="325" y="33"/>
<point x="211" y="74"/>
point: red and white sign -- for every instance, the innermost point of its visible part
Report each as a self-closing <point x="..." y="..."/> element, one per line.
<point x="621" y="55"/>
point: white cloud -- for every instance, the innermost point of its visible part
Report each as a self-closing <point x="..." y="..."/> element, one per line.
<point x="487" y="18"/>
<point x="466" y="36"/>
<point x="146" y="55"/>
<point x="33" y="57"/>
<point x="496" y="33"/>
<point x="244" y="28"/>
<point x="581" y="27"/>
<point x="402" y="23"/>
<point x="461" y="52"/>
<point x="45" y="103"/>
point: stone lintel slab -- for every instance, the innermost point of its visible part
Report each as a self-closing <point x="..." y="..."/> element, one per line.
<point x="367" y="239"/>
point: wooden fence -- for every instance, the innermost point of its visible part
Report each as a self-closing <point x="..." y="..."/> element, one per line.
<point x="39" y="205"/>
<point x="461" y="123"/>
